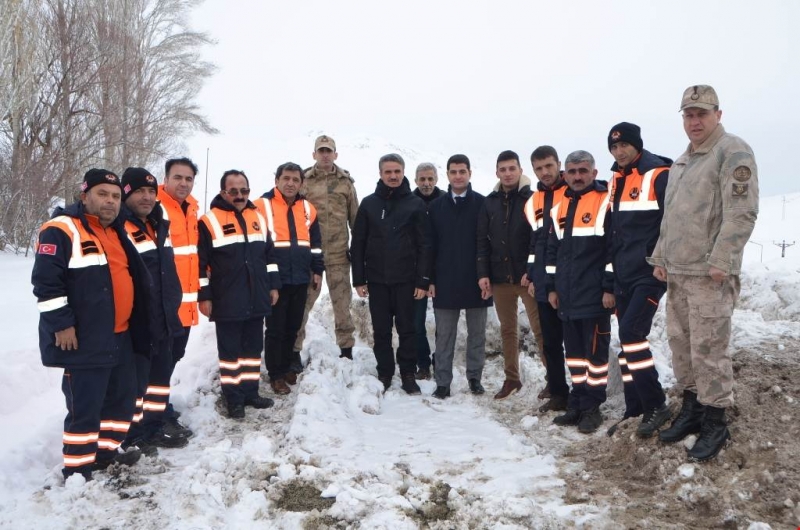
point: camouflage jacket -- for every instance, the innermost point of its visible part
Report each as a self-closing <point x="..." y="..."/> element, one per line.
<point x="710" y="208"/>
<point x="334" y="196"/>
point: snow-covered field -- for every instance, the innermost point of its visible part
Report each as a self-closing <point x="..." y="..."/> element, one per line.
<point x="336" y="453"/>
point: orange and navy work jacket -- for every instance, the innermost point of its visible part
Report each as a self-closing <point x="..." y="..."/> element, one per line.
<point x="183" y="233"/>
<point x="537" y="212"/>
<point x="578" y="263"/>
<point x="237" y="263"/>
<point x="295" y="234"/>
<point x="637" y="206"/>
<point x="72" y="280"/>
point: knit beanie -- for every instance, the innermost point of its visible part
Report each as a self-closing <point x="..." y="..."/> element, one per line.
<point x="137" y="177"/>
<point x="95" y="176"/>
<point x="626" y="132"/>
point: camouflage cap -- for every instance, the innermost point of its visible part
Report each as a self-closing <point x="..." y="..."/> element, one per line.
<point x="325" y="141"/>
<point x="701" y="97"/>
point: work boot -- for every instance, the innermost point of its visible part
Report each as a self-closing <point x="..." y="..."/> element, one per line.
<point x="571" y="417"/>
<point x="476" y="387"/>
<point x="442" y="392"/>
<point x="554" y="403"/>
<point x="713" y="435"/>
<point x="590" y="420"/>
<point x="386" y="380"/>
<point x="508" y="390"/>
<point x="409" y="384"/>
<point x="545" y="393"/>
<point x="123" y="457"/>
<point x="175" y="428"/>
<point x="346" y="353"/>
<point x="687" y="421"/>
<point x="280" y="387"/>
<point x="296" y="365"/>
<point x="236" y="411"/>
<point x="161" y="438"/>
<point x="258" y="402"/>
<point x="290" y="378"/>
<point x="423" y="374"/>
<point x="652" y="420"/>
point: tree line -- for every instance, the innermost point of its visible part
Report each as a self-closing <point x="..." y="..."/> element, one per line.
<point x="90" y="83"/>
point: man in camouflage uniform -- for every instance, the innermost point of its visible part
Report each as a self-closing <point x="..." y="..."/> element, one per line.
<point x="709" y="214"/>
<point x="332" y="191"/>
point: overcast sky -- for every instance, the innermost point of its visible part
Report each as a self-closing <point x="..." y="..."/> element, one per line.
<point x="479" y="77"/>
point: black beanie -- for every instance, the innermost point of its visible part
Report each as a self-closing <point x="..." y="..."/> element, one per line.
<point x="135" y="178"/>
<point x="626" y="132"/>
<point x="95" y="176"/>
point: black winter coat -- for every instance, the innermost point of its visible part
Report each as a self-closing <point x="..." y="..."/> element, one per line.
<point x="428" y="199"/>
<point x="581" y="261"/>
<point x="159" y="259"/>
<point x="635" y="230"/>
<point x="391" y="238"/>
<point x="504" y="235"/>
<point x="89" y="299"/>
<point x="454" y="226"/>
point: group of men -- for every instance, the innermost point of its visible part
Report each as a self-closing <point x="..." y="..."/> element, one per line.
<point x="121" y="275"/>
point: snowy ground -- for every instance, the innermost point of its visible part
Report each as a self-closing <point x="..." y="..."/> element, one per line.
<point x="337" y="453"/>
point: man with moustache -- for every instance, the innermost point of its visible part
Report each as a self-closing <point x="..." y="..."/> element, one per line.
<point x="179" y="208"/>
<point x="549" y="191"/>
<point x="332" y="191"/>
<point x="709" y="214"/>
<point x="637" y="194"/>
<point x="92" y="296"/>
<point x="149" y="233"/>
<point x="391" y="253"/>
<point x="239" y="284"/>
<point x="503" y="240"/>
<point x="426" y="179"/>
<point x="580" y="286"/>
<point x="292" y="223"/>
<point x="454" y="280"/>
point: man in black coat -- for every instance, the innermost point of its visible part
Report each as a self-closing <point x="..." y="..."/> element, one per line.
<point x="390" y="252"/>
<point x="454" y="282"/>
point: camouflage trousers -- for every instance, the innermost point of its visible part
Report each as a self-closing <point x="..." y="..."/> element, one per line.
<point x="699" y="328"/>
<point x="341" y="292"/>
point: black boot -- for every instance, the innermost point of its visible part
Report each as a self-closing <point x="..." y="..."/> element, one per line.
<point x="346" y="353"/>
<point x="713" y="435"/>
<point x="653" y="420"/>
<point x="687" y="422"/>
<point x="296" y="365"/>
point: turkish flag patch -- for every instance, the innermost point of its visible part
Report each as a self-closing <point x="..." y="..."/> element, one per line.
<point x="48" y="249"/>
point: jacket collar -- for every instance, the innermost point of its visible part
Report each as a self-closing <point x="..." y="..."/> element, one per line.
<point x="706" y="146"/>
<point x="221" y="204"/>
<point x="166" y="198"/>
<point x="523" y="181"/>
<point x="597" y="185"/>
<point x="644" y="163"/>
<point x="385" y="192"/>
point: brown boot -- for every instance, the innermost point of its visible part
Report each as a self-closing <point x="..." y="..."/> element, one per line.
<point x="509" y="388"/>
<point x="280" y="387"/>
<point x="290" y="378"/>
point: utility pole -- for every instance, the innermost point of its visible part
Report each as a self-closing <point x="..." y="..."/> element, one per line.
<point x="761" y="257"/>
<point x="205" y="197"/>
<point x="783" y="246"/>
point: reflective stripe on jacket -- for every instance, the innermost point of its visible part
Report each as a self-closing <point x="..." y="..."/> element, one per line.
<point x="537" y="212"/>
<point x="183" y="233"/>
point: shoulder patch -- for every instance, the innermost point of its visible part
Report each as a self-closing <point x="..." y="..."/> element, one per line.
<point x="740" y="190"/>
<point x="742" y="173"/>
<point x="47" y="249"/>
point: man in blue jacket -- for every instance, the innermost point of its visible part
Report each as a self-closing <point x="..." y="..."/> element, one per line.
<point x="454" y="281"/>
<point x="391" y="253"/>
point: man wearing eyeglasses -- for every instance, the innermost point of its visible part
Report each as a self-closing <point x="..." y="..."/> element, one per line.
<point x="239" y="284"/>
<point x="710" y="211"/>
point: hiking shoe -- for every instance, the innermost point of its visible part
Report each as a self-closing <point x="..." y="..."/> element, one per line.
<point x="280" y="387"/>
<point x="175" y="428"/>
<point x="554" y="403"/>
<point x="423" y="374"/>
<point x="442" y="392"/>
<point x="386" y="380"/>
<point x="545" y="393"/>
<point x="476" y="387"/>
<point x="652" y="421"/>
<point x="236" y="411"/>
<point x="346" y="353"/>
<point x="258" y="402"/>
<point x="161" y="438"/>
<point x="590" y="420"/>
<point x="713" y="435"/>
<point x="290" y="378"/>
<point x="509" y="388"/>
<point x="123" y="457"/>
<point x="409" y="384"/>
<point x="571" y="417"/>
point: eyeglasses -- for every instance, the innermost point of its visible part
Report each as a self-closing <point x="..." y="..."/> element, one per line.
<point x="236" y="192"/>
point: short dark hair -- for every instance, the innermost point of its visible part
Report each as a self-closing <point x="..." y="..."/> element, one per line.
<point x="183" y="161"/>
<point x="544" y="151"/>
<point x="505" y="156"/>
<point x="458" y="159"/>
<point x="391" y="157"/>
<point x="232" y="172"/>
<point x="289" y="166"/>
